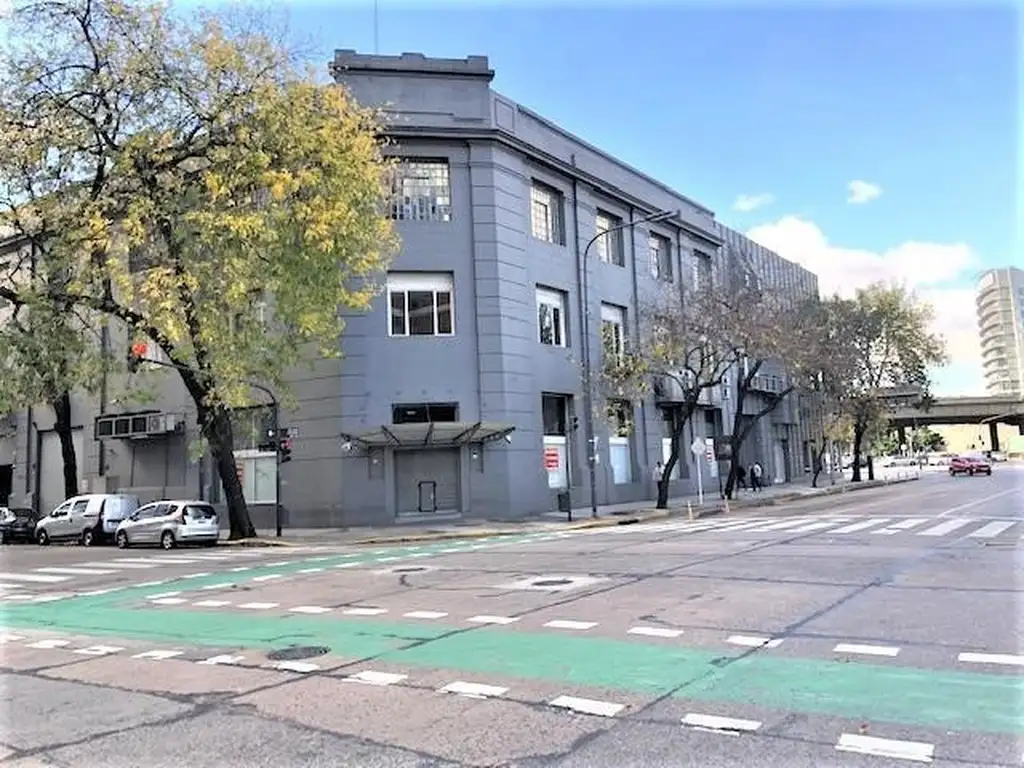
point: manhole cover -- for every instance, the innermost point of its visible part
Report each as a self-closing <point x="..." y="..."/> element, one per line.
<point x="410" y="569"/>
<point x="551" y="582"/>
<point x="296" y="652"/>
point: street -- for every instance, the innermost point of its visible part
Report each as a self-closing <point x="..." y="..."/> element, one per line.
<point x="873" y="628"/>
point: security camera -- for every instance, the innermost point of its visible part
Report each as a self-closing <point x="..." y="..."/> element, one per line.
<point x="346" y="447"/>
<point x="508" y="439"/>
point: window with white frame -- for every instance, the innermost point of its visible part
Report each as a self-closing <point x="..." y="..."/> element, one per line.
<point x="420" y="304"/>
<point x="609" y="247"/>
<point x="613" y="330"/>
<point x="551" y="317"/>
<point x="702" y="274"/>
<point x="660" y="249"/>
<point x="547" y="220"/>
<point x="421" y="190"/>
<point x="620" y="455"/>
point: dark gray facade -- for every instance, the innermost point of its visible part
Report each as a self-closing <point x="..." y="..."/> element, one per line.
<point x="460" y="392"/>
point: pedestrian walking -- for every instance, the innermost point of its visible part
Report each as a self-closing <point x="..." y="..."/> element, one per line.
<point x="756" y="473"/>
<point x="741" y="476"/>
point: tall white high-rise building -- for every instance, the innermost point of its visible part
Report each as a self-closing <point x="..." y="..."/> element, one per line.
<point x="1000" y="303"/>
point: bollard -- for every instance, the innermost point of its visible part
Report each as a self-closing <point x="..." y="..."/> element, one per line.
<point x="689" y="510"/>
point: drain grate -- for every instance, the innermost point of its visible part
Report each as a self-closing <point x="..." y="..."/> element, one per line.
<point x="296" y="652"/>
<point x="551" y="582"/>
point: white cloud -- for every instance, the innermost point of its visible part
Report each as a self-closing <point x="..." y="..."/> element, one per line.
<point x="746" y="203"/>
<point x="860" y="192"/>
<point x="924" y="267"/>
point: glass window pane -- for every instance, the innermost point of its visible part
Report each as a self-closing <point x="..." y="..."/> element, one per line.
<point x="444" y="312"/>
<point x="421" y="313"/>
<point x="546" y="322"/>
<point x="264" y="479"/>
<point x="398" y="313"/>
<point x="556" y="325"/>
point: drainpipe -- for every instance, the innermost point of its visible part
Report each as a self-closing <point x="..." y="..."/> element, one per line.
<point x="583" y="298"/>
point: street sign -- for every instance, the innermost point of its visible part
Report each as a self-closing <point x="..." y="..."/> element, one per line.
<point x="697" y="447"/>
<point x="552" y="461"/>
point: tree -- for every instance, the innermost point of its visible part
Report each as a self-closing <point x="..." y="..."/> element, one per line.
<point x="883" y="333"/>
<point x="683" y="354"/>
<point x="177" y="175"/>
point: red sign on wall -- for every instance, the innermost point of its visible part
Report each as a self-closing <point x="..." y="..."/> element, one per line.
<point x="552" y="461"/>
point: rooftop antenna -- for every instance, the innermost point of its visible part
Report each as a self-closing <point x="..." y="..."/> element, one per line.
<point x="376" y="27"/>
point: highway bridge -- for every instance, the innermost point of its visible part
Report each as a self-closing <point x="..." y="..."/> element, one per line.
<point x="907" y="412"/>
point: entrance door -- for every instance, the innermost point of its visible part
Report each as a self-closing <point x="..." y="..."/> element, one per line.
<point x="427" y="481"/>
<point x="780" y="462"/>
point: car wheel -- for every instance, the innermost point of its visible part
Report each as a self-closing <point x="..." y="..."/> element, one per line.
<point x="88" y="537"/>
<point x="122" y="540"/>
<point x="167" y="540"/>
<point x="42" y="537"/>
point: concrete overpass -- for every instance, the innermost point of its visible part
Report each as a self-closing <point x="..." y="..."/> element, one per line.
<point x="907" y="412"/>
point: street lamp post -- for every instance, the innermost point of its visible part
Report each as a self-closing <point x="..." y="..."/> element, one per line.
<point x="588" y="402"/>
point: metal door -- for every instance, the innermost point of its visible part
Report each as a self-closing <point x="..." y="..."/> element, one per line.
<point x="422" y="477"/>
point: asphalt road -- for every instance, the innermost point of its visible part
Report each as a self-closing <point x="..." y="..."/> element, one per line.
<point x="871" y="629"/>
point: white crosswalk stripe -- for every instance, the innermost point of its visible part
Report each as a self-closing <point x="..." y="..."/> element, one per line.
<point x="903" y="525"/>
<point x="992" y="530"/>
<point x="947" y="527"/>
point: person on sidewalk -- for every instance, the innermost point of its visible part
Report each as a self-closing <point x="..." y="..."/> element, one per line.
<point x="741" y="477"/>
<point x="756" y="473"/>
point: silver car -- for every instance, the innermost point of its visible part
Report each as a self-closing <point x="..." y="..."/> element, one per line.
<point x="170" y="523"/>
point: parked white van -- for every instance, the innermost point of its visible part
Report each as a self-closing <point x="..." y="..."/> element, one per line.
<point x="91" y="518"/>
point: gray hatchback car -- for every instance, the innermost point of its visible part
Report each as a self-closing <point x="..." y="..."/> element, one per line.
<point x="170" y="523"/>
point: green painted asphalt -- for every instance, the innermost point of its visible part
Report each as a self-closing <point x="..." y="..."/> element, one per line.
<point x="948" y="700"/>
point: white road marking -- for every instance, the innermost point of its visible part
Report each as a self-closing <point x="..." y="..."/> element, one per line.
<point x="33" y="578"/>
<point x="222" y="659"/>
<point x="278" y="564"/>
<point x="147" y="561"/>
<point x="312" y="609"/>
<point x="144" y="584"/>
<point x="450" y="550"/>
<point x="991" y="530"/>
<point x="49" y="644"/>
<point x="52" y="598"/>
<point x="654" y="632"/>
<point x="943" y="528"/>
<point x="303" y="667"/>
<point x="309" y="570"/>
<point x="169" y="601"/>
<point x="587" y="706"/>
<point x="120" y="565"/>
<point x="99" y="650"/>
<point x="158" y="655"/>
<point x="779" y="526"/>
<point x="196" y="575"/>
<point x="163" y="594"/>
<point x="1004" y="659"/>
<point x="422" y="554"/>
<point x="365" y="611"/>
<point x="867" y="650"/>
<point x="94" y="592"/>
<point x="221" y="585"/>
<point x="473" y="690"/>
<point x="750" y="641"/>
<point x="425" y="615"/>
<point x="390" y="559"/>
<point x="268" y="577"/>
<point x="816" y="526"/>
<point x="977" y="502"/>
<point x="862" y="525"/>
<point x="870" y="745"/>
<point x="241" y="568"/>
<point x="485" y="619"/>
<point x="348" y="565"/>
<point x="258" y="606"/>
<point x="75" y="571"/>
<point x="903" y="525"/>
<point x="19" y="597"/>
<point x="211" y="603"/>
<point x="722" y="724"/>
<point x="10" y="638"/>
<point x="178" y="560"/>
<point x="565" y="624"/>
<point x="369" y="677"/>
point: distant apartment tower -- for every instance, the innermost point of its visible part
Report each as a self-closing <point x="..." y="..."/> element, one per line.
<point x="1000" y="303"/>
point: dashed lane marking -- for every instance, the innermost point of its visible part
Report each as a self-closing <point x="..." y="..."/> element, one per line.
<point x="566" y="624"/>
<point x="866" y="650"/>
<point x="751" y="641"/>
<point x="720" y="724"/>
<point x="62" y="571"/>
<point x="34" y="578"/>
<point x="1003" y="659"/>
<point x="474" y="690"/>
<point x="221" y="659"/>
<point x="870" y="745"/>
<point x="311" y="609"/>
<point x="425" y="615"/>
<point x="370" y="677"/>
<point x="587" y="706"/>
<point x="485" y="619"/>
<point x="157" y="655"/>
<point x="654" y="632"/>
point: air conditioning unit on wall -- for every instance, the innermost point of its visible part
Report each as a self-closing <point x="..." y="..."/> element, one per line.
<point x="136" y="426"/>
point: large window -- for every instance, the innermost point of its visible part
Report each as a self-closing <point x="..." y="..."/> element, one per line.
<point x="420" y="304"/>
<point x="257" y="471"/>
<point x="661" y="257"/>
<point x="551" y="317"/>
<point x="702" y="273"/>
<point x="421" y="190"/>
<point x="609" y="248"/>
<point x="620" y="455"/>
<point x="555" y="412"/>
<point x="547" y="221"/>
<point x="613" y="330"/>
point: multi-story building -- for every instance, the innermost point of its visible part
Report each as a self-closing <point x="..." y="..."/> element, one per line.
<point x="460" y="391"/>
<point x="1000" y="302"/>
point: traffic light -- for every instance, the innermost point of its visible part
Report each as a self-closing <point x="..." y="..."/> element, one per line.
<point x="286" y="450"/>
<point x="136" y="355"/>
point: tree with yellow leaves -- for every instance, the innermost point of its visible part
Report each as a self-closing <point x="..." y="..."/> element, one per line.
<point x="176" y="172"/>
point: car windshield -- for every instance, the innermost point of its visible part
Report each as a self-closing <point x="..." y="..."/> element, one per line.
<point x="22" y="514"/>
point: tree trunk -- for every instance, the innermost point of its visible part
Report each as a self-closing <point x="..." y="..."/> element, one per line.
<point x="217" y="429"/>
<point x="817" y="462"/>
<point x="62" y="426"/>
<point x="679" y="420"/>
<point x="858" y="437"/>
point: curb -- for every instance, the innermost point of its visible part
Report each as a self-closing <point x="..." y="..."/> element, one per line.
<point x="256" y="542"/>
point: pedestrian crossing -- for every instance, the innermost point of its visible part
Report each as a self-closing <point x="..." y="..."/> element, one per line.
<point x="829" y="525"/>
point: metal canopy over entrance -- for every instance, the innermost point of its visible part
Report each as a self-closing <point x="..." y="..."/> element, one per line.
<point x="431" y="434"/>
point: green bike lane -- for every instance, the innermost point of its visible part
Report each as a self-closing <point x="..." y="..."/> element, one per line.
<point x="926" y="698"/>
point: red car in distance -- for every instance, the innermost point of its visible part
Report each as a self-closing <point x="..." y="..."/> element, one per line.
<point x="969" y="465"/>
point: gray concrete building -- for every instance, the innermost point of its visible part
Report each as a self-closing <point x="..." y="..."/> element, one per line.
<point x="460" y="392"/>
<point x="1000" y="304"/>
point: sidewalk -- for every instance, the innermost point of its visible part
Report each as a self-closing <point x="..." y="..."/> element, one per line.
<point x="608" y="515"/>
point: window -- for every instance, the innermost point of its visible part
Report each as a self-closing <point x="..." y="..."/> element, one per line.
<point x="609" y="248"/>
<point x="555" y="411"/>
<point x="702" y="274"/>
<point x="613" y="330"/>
<point x="620" y="455"/>
<point x="424" y="413"/>
<point x="420" y="304"/>
<point x="421" y="191"/>
<point x="546" y="219"/>
<point x="661" y="257"/>
<point x="257" y="471"/>
<point x="551" y="317"/>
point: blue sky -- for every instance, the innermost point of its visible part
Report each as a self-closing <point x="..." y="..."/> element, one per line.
<point x="791" y="105"/>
